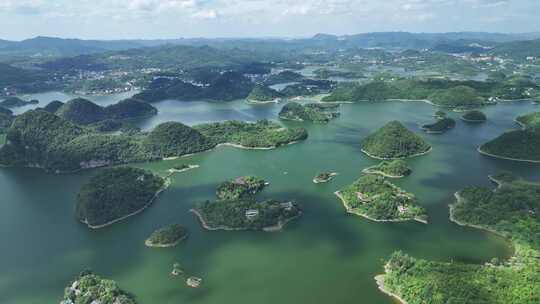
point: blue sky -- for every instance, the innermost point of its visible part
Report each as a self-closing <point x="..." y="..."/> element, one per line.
<point x="121" y="19"/>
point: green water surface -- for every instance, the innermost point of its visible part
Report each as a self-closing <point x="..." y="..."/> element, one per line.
<point x="326" y="256"/>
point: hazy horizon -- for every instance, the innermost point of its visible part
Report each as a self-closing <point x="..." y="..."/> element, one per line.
<point x="172" y="19"/>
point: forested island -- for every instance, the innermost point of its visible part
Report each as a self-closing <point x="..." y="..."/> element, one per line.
<point x="518" y="145"/>
<point x="474" y="116"/>
<point x="510" y="211"/>
<point x="392" y="169"/>
<point x="168" y="236"/>
<point x="441" y="92"/>
<point x="440" y="126"/>
<point x="394" y="141"/>
<point x="263" y="134"/>
<point x="236" y="208"/>
<point x="90" y="288"/>
<point x="114" y="194"/>
<point x="41" y="139"/>
<point x="313" y="112"/>
<point x="376" y="199"/>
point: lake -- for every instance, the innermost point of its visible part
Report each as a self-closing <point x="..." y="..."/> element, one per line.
<point x="326" y="256"/>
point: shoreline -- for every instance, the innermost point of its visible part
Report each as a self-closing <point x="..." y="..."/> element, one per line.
<point x="369" y="170"/>
<point x="479" y="149"/>
<point x="276" y="228"/>
<point x="351" y="211"/>
<point x="383" y="158"/>
<point x="156" y="195"/>
<point x="380" y="284"/>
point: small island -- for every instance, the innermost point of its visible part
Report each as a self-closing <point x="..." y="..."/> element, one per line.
<point x="394" y="141"/>
<point x="474" y="116"/>
<point x="168" y="236"/>
<point x="392" y="169"/>
<point x="90" y="288"/>
<point x="241" y="187"/>
<point x="237" y="209"/>
<point x="115" y="194"/>
<point x="324" y="177"/>
<point x="318" y="113"/>
<point x="440" y="126"/>
<point x="16" y="102"/>
<point x="510" y="211"/>
<point x="376" y="199"/>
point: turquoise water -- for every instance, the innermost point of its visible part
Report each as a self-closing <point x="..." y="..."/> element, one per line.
<point x="326" y="256"/>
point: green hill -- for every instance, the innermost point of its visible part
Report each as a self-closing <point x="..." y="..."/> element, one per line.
<point x="530" y="120"/>
<point x="394" y="141"/>
<point x="115" y="193"/>
<point x="175" y="139"/>
<point x="15" y="102"/>
<point x="474" y="116"/>
<point x="84" y="112"/>
<point x="90" y="288"/>
<point x="309" y="112"/>
<point x="263" y="93"/>
<point x="517" y="145"/>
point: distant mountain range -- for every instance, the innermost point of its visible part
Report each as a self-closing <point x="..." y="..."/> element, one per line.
<point x="59" y="47"/>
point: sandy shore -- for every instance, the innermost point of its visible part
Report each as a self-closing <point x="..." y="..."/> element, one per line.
<point x="479" y="149"/>
<point x="352" y="211"/>
<point x="165" y="186"/>
<point x="384" y="158"/>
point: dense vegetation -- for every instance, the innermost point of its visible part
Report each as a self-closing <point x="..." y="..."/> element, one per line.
<point x="237" y="208"/>
<point x="90" y="288"/>
<point x="309" y="112"/>
<point x="394" y="141"/>
<point x="115" y="193"/>
<point x="224" y="87"/>
<point x="167" y="236"/>
<point x="6" y="118"/>
<point x="175" y="139"/>
<point x="40" y="139"/>
<point x="512" y="211"/>
<point x="530" y="121"/>
<point x="15" y="102"/>
<point x="327" y="73"/>
<point x="517" y="144"/>
<point x="283" y="77"/>
<point x="377" y="199"/>
<point x="240" y="187"/>
<point x="474" y="116"/>
<point x="84" y="112"/>
<point x="440" y="126"/>
<point x="263" y="93"/>
<point x="394" y="168"/>
<point x="53" y="106"/>
<point x="262" y="134"/>
<point x="441" y="92"/>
